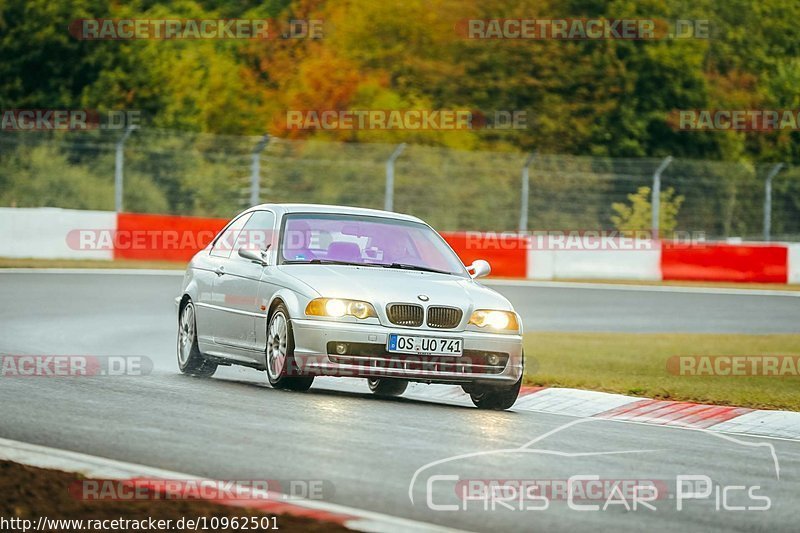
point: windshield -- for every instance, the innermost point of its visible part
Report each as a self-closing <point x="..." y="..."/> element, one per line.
<point x="366" y="240"/>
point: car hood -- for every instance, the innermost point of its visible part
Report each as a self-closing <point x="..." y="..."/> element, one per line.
<point x="381" y="286"/>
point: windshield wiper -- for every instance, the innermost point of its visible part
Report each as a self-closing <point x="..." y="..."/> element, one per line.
<point x="405" y="266"/>
<point x="326" y="262"/>
<point x="400" y="266"/>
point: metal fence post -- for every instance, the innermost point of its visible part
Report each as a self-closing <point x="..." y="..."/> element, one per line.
<point x="768" y="200"/>
<point x="255" y="171"/>
<point x="655" y="200"/>
<point x="119" y="162"/>
<point x="388" y="202"/>
<point x="526" y="184"/>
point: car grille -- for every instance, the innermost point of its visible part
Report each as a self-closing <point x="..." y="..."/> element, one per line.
<point x="443" y="317"/>
<point x="405" y="314"/>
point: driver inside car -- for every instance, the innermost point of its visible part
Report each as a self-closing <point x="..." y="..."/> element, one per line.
<point x="298" y="246"/>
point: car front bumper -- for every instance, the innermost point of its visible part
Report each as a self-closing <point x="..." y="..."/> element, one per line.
<point x="367" y="356"/>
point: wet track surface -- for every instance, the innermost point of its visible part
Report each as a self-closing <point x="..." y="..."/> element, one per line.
<point x="647" y="309"/>
<point x="365" y="450"/>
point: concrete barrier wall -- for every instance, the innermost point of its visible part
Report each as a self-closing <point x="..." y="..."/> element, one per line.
<point x="793" y="274"/>
<point x="764" y="263"/>
<point x="165" y="237"/>
<point x="51" y="233"/>
<point x="595" y="264"/>
<point x="46" y="232"/>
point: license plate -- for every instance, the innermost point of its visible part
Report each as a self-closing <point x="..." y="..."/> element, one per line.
<point x="424" y="345"/>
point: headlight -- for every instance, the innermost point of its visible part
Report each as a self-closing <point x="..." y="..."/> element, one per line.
<point x="497" y="320"/>
<point x="336" y="307"/>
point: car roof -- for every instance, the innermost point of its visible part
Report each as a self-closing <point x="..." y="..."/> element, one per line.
<point x="281" y="209"/>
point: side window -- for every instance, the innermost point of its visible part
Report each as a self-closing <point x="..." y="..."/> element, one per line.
<point x="258" y="232"/>
<point x="227" y="239"/>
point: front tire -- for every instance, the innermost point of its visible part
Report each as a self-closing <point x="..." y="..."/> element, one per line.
<point x="498" y="399"/>
<point x="387" y="387"/>
<point x="282" y="371"/>
<point x="190" y="360"/>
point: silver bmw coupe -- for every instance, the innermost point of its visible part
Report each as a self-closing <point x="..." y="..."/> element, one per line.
<point x="305" y="290"/>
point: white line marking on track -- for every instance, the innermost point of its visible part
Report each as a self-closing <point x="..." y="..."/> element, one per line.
<point x="102" y="468"/>
<point x="640" y="288"/>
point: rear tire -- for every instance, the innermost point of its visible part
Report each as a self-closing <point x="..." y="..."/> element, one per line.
<point x="494" y="398"/>
<point x="387" y="386"/>
<point x="190" y="360"/>
<point x="282" y="370"/>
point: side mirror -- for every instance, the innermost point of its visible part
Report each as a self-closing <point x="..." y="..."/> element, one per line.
<point x="479" y="268"/>
<point x="256" y="256"/>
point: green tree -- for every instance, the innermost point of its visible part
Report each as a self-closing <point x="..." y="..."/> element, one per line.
<point x="637" y="215"/>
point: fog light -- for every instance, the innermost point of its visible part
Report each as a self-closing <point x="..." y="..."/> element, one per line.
<point x="493" y="359"/>
<point x="341" y="348"/>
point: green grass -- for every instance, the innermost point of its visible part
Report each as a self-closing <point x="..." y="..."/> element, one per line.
<point x="636" y="364"/>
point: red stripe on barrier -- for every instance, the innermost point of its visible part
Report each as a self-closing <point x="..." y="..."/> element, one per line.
<point x="725" y="262"/>
<point x="507" y="256"/>
<point x="669" y="413"/>
<point x="163" y="237"/>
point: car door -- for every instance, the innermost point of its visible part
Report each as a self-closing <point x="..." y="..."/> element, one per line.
<point x="208" y="312"/>
<point x="236" y="290"/>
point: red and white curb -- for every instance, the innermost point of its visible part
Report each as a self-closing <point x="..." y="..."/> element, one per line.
<point x="102" y="468"/>
<point x="721" y="418"/>
<point x="617" y="407"/>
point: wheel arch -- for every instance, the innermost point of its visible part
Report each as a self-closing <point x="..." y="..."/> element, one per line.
<point x="185" y="299"/>
<point x="292" y="303"/>
<point x="290" y="300"/>
<point x="188" y="293"/>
